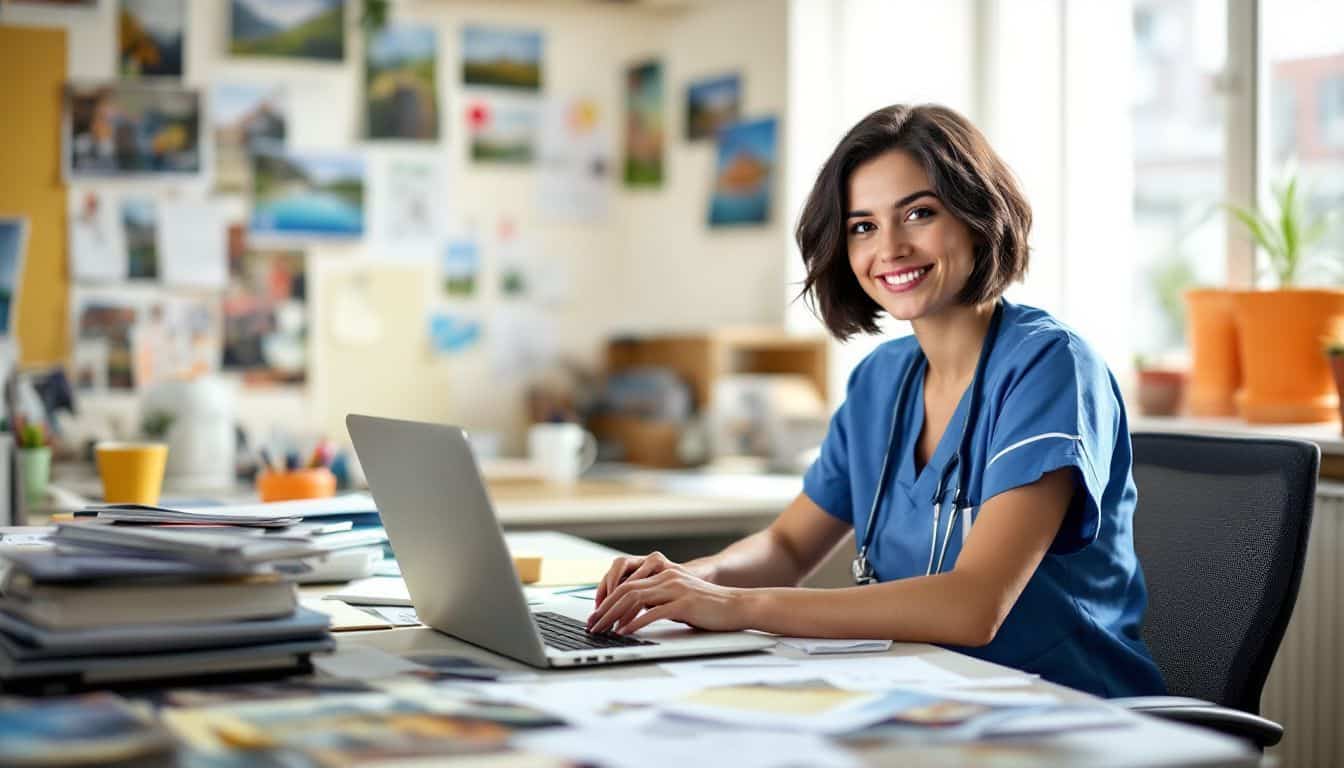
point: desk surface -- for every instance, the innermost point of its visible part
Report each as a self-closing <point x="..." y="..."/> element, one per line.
<point x="1148" y="742"/>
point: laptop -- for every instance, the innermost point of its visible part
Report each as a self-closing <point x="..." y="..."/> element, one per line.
<point x="459" y="572"/>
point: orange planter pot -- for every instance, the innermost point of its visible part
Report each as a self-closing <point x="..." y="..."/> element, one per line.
<point x="1215" y="371"/>
<point x="1280" y="335"/>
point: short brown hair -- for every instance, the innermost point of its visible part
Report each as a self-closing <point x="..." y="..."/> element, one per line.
<point x="967" y="176"/>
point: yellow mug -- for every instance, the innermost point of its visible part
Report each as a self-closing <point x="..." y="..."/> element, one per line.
<point x="132" y="472"/>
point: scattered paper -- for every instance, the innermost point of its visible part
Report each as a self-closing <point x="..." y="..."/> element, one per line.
<point x="375" y="590"/>
<point x="345" y="617"/>
<point x="818" y="646"/>
<point x="659" y="745"/>
<point x="857" y="674"/>
<point x="398" y="616"/>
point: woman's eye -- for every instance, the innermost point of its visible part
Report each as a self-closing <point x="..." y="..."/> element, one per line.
<point x="919" y="213"/>
<point x="859" y="228"/>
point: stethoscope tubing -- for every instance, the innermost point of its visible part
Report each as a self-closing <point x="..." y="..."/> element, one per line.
<point x="957" y="464"/>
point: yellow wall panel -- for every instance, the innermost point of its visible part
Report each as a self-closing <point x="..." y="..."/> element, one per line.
<point x="33" y="62"/>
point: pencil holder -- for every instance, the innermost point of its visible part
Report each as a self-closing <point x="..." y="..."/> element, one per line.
<point x="315" y="483"/>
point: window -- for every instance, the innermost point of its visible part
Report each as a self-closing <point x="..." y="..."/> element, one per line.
<point x="1304" y="63"/>
<point x="1179" y="163"/>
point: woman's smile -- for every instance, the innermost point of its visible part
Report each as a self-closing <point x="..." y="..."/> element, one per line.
<point x="904" y="280"/>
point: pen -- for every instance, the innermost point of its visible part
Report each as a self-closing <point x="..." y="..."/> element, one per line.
<point x="266" y="459"/>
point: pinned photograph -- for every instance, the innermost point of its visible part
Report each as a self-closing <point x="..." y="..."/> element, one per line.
<point x="150" y="37"/>
<point x="139" y="222"/>
<point x="505" y="58"/>
<point x="644" y="130"/>
<point x="265" y="315"/>
<point x="177" y="337"/>
<point x="503" y="131"/>
<point x="97" y="237"/>
<point x="744" y="173"/>
<point x="712" y="104"/>
<point x="307" y="194"/>
<point x="13" y="241"/>
<point x="117" y="130"/>
<point x="245" y="118"/>
<point x="400" y="87"/>
<point x="294" y="29"/>
<point x="451" y="334"/>
<point x="105" y="322"/>
<point x="461" y="266"/>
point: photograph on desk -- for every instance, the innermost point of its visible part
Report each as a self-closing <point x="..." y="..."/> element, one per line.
<point x="265" y="314"/>
<point x="121" y="129"/>
<point x="354" y="728"/>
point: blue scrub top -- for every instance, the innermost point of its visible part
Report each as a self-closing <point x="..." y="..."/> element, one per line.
<point x="1047" y="402"/>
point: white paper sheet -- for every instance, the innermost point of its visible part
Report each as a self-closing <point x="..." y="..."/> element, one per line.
<point x="376" y="590"/>
<point x="865" y="673"/>
<point x="660" y="746"/>
<point x="97" y="242"/>
<point x="193" y="246"/>
<point x="818" y="646"/>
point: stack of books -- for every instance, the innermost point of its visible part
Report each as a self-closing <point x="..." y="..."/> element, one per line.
<point x="113" y="604"/>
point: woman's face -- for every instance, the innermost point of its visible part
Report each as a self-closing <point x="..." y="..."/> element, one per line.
<point x="910" y="254"/>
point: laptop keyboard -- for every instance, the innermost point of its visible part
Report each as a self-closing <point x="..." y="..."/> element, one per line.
<point x="568" y="634"/>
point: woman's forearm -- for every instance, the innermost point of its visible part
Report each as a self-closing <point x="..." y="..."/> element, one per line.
<point x="928" y="609"/>
<point x="762" y="559"/>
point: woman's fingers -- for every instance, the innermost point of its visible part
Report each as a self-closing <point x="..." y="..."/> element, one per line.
<point x="614" y="576"/>
<point x="627" y="601"/>
<point x="667" y="610"/>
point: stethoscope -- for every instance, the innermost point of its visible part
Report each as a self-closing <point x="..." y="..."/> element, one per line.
<point x="861" y="568"/>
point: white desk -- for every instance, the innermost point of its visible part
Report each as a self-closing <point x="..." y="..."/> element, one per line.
<point x="1148" y="742"/>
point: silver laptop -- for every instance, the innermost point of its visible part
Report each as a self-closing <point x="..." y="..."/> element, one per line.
<point x="458" y="570"/>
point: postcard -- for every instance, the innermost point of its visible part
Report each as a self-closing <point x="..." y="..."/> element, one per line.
<point x="295" y="29"/>
<point x="265" y="315"/>
<point x="712" y="104"/>
<point x="503" y="130"/>
<point x="400" y="86"/>
<point x="574" y="164"/>
<point x="193" y="245"/>
<point x="97" y="237"/>
<point x="409" y="205"/>
<point x="103" y="324"/>
<point x="128" y="129"/>
<point x="140" y="230"/>
<point x="244" y="118"/>
<point x="644" y="131"/>
<point x="13" y="242"/>
<point x="177" y="337"/>
<point x="451" y="333"/>
<point x="506" y="58"/>
<point x="744" y="174"/>
<point x="151" y="36"/>
<point x="461" y="265"/>
<point x="307" y="194"/>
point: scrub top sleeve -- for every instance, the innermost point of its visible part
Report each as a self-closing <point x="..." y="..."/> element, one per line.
<point x="1059" y="413"/>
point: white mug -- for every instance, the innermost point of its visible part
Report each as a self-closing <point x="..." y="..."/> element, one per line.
<point x="563" y="451"/>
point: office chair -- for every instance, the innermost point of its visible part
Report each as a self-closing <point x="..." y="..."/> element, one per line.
<point x="1221" y="531"/>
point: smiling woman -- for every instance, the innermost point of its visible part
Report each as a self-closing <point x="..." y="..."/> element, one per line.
<point x="983" y="463"/>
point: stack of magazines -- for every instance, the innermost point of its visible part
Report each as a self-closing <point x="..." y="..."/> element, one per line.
<point x="110" y="605"/>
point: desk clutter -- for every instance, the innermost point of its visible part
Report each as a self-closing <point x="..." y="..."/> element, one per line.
<point x="369" y="706"/>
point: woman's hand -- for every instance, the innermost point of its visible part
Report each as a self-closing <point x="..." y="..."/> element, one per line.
<point x="671" y="593"/>
<point x="631" y="568"/>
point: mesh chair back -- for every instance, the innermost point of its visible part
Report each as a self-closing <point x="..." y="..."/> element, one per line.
<point x="1221" y="532"/>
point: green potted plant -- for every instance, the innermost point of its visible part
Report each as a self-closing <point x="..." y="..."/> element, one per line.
<point x="1285" y="377"/>
<point x="34" y="460"/>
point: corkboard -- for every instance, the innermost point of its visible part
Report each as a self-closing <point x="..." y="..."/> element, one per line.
<point x="34" y="61"/>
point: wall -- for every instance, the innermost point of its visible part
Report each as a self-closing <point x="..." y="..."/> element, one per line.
<point x="641" y="269"/>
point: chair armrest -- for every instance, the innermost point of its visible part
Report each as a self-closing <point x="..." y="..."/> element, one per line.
<point x="1262" y="731"/>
